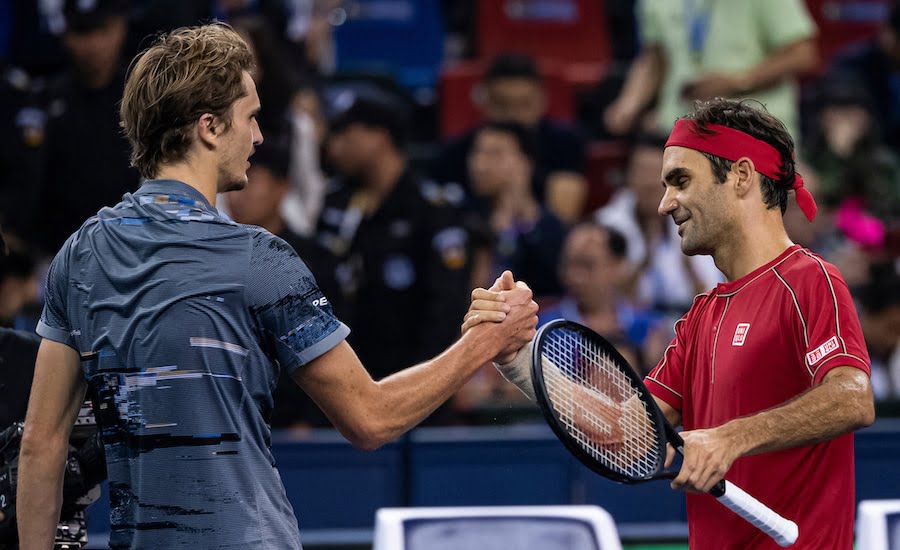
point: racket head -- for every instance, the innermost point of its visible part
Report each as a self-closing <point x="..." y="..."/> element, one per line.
<point x="595" y="373"/>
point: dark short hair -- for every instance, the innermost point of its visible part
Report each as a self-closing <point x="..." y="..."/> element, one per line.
<point x="512" y="65"/>
<point x="615" y="240"/>
<point x="524" y="137"/>
<point x="376" y="113"/>
<point x="751" y="117"/>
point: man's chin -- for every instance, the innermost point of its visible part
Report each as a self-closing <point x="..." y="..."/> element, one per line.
<point x="693" y="249"/>
<point x="234" y="185"/>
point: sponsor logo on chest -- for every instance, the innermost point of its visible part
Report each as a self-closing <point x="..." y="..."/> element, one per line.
<point x="820" y="352"/>
<point x="740" y="334"/>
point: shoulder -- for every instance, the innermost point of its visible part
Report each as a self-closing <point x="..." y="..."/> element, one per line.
<point x="265" y="244"/>
<point x="809" y="276"/>
<point x="691" y="317"/>
<point x="806" y="267"/>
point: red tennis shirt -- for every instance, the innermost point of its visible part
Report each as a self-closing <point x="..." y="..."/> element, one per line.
<point x="750" y="345"/>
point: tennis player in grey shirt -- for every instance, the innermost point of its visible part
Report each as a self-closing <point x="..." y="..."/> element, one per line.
<point x="177" y="320"/>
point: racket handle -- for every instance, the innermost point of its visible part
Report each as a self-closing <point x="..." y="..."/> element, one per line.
<point x="784" y="531"/>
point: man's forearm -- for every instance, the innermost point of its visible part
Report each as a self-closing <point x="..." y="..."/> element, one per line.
<point x="644" y="78"/>
<point x="836" y="406"/>
<point x="790" y="61"/>
<point x="39" y="493"/>
<point x="407" y="397"/>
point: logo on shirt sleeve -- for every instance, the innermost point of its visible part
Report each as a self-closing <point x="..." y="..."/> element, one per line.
<point x="820" y="352"/>
<point x="740" y="334"/>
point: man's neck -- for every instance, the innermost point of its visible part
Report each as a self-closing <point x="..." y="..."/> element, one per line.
<point x="203" y="180"/>
<point x="758" y="243"/>
<point x="274" y="225"/>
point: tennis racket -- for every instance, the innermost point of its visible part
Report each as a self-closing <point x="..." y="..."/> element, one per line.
<point x="600" y="409"/>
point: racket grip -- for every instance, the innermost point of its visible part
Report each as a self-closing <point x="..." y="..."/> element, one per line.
<point x="784" y="531"/>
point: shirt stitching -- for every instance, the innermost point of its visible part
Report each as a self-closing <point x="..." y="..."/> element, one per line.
<point x="802" y="320"/>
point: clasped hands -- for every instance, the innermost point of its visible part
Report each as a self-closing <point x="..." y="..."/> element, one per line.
<point x="506" y="301"/>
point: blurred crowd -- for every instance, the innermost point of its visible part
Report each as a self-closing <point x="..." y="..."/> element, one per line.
<point x="415" y="149"/>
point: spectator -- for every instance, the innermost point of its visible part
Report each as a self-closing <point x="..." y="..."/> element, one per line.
<point x="527" y="236"/>
<point x="21" y="136"/>
<point x="594" y="270"/>
<point x="18" y="351"/>
<point x="18" y="284"/>
<point x="847" y="152"/>
<point x="880" y="319"/>
<point x="875" y="66"/>
<point x="691" y="50"/>
<point x="392" y="241"/>
<point x="661" y="275"/>
<point x="513" y="92"/>
<point x="87" y="164"/>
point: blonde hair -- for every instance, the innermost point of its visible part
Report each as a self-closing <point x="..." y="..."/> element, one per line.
<point x="184" y="74"/>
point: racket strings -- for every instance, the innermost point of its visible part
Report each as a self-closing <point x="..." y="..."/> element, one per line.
<point x="599" y="405"/>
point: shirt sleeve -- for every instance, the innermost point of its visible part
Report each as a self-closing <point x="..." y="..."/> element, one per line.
<point x="666" y="380"/>
<point x="293" y="317"/>
<point x="832" y="333"/>
<point x="782" y="22"/>
<point x="54" y="323"/>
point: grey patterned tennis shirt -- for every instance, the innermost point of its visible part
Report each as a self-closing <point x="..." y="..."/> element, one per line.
<point x="183" y="319"/>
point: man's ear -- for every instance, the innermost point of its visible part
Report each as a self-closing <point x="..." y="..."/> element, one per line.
<point x="209" y="128"/>
<point x="743" y="171"/>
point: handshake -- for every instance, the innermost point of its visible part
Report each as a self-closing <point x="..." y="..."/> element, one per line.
<point x="508" y="305"/>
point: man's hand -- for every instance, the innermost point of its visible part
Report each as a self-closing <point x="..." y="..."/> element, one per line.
<point x="708" y="455"/>
<point x="494" y="304"/>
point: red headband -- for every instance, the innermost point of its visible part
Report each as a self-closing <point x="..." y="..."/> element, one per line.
<point x="731" y="144"/>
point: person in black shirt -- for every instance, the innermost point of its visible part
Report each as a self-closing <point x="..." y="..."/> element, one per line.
<point x="86" y="155"/>
<point x="513" y="92"/>
<point x="400" y="258"/>
<point x="527" y="236"/>
<point x="21" y="136"/>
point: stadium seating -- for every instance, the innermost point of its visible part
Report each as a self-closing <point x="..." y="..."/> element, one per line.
<point x="570" y="30"/>
<point x="401" y="38"/>
<point x="843" y="23"/>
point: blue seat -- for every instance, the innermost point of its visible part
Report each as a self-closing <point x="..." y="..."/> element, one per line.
<point x="400" y="38"/>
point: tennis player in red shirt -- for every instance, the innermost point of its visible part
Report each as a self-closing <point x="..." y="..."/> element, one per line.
<point x="768" y="373"/>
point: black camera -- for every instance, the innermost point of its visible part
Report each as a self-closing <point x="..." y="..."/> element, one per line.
<point x="85" y="470"/>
